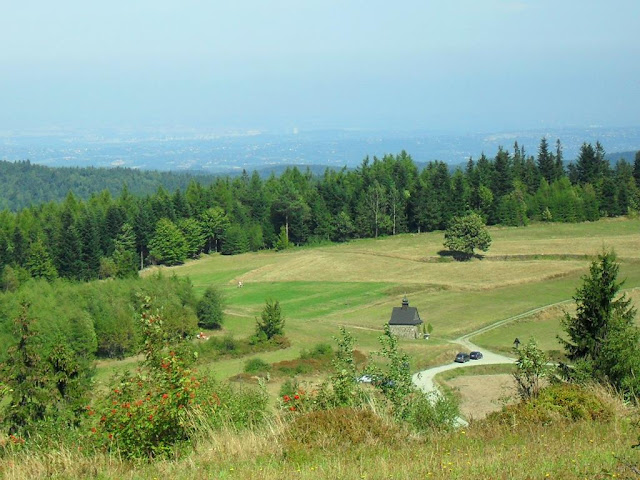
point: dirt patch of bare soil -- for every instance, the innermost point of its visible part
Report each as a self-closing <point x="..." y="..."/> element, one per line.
<point x="483" y="394"/>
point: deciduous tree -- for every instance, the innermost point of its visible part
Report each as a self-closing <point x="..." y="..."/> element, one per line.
<point x="467" y="233"/>
<point x="210" y="309"/>
<point x="168" y="245"/>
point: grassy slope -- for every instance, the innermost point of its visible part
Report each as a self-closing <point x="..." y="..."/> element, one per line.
<point x="357" y="284"/>
<point x="582" y="450"/>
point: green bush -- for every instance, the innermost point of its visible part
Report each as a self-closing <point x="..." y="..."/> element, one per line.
<point x="320" y="351"/>
<point x="210" y="309"/>
<point x="256" y="365"/>
<point x="165" y="404"/>
<point x="559" y="403"/>
<point x="228" y="346"/>
<point x="427" y="412"/>
<point x="338" y="430"/>
<point x="290" y="387"/>
<point x="294" y="367"/>
<point x="97" y="318"/>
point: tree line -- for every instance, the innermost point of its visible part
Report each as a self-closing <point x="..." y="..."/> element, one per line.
<point x="106" y="236"/>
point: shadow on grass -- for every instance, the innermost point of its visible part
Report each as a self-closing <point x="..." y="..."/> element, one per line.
<point x="459" y="256"/>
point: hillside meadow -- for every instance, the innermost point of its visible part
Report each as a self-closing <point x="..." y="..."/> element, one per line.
<point x="572" y="433"/>
<point x="356" y="285"/>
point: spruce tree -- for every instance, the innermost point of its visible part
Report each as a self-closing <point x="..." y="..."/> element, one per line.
<point x="124" y="255"/>
<point x="25" y="373"/>
<point x="636" y="168"/>
<point x="546" y="164"/>
<point x="91" y="250"/>
<point x="39" y="263"/>
<point x="271" y="321"/>
<point x="602" y="335"/>
<point x="69" y="255"/>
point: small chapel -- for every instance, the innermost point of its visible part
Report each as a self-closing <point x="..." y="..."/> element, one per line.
<point x="405" y="321"/>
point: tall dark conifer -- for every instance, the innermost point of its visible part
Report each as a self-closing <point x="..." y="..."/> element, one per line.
<point x="559" y="161"/>
<point x="503" y="178"/>
<point x="636" y="168"/>
<point x="546" y="164"/>
<point x="91" y="249"/>
<point x="69" y="254"/>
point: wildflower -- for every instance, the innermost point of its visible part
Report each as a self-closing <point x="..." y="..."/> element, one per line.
<point x="286" y="398"/>
<point x="165" y="396"/>
<point x="297" y="397"/>
<point x="151" y="417"/>
<point x="93" y="430"/>
<point x="292" y="408"/>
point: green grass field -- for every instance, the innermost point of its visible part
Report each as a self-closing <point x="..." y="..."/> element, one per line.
<point x="356" y="285"/>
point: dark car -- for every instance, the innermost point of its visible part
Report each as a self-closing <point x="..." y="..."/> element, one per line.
<point x="462" y="357"/>
<point x="475" y="355"/>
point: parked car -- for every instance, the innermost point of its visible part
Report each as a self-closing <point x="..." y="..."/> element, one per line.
<point x="475" y="355"/>
<point x="462" y="357"/>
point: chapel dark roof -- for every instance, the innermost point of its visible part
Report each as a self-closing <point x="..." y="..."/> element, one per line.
<point x="405" y="315"/>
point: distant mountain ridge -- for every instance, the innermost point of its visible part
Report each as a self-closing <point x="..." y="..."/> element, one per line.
<point x="202" y="152"/>
<point x="628" y="156"/>
<point x="24" y="183"/>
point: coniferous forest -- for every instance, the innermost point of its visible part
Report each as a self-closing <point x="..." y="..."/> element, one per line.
<point x="106" y="236"/>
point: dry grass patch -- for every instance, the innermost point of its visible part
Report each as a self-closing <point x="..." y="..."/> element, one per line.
<point x="482" y="394"/>
<point x="337" y="430"/>
<point x="338" y="266"/>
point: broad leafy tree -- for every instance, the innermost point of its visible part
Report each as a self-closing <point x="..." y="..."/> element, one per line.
<point x="531" y="369"/>
<point x="210" y="309"/>
<point x="194" y="236"/>
<point x="168" y="245"/>
<point x="214" y="223"/>
<point x="467" y="233"/>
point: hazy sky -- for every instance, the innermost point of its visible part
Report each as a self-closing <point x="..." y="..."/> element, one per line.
<point x="454" y="65"/>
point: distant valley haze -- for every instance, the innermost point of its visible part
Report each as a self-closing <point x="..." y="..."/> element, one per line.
<point x="222" y="85"/>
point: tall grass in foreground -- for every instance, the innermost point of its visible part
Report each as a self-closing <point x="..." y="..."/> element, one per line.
<point x="510" y="445"/>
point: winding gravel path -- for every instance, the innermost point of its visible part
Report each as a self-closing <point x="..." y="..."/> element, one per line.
<point x="424" y="380"/>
